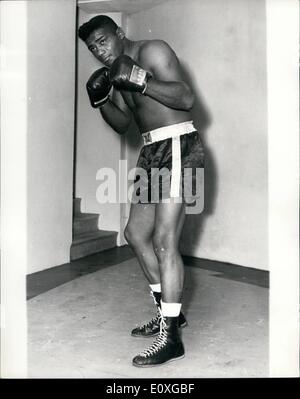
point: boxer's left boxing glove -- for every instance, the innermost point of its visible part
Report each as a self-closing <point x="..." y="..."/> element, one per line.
<point x="98" y="87"/>
<point x="126" y="74"/>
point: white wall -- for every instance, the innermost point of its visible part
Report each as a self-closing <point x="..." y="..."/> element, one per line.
<point x="98" y="145"/>
<point x="222" y="47"/>
<point x="13" y="32"/>
<point x="51" y="90"/>
<point x="283" y="127"/>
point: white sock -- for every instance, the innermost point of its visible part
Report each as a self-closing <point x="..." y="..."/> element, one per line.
<point x="155" y="287"/>
<point x="170" y="309"/>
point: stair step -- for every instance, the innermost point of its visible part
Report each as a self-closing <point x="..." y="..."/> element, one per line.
<point x="76" y="206"/>
<point x="85" y="223"/>
<point x="90" y="243"/>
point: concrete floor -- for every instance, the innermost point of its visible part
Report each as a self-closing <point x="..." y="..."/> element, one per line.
<point x="81" y="329"/>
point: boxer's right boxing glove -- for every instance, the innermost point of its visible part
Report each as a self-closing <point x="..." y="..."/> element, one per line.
<point x="98" y="87"/>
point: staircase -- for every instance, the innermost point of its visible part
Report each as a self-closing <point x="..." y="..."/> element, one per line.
<point x="87" y="238"/>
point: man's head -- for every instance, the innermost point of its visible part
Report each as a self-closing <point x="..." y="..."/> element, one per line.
<point x="103" y="38"/>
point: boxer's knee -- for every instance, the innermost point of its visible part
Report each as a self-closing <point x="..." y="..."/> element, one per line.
<point x="133" y="237"/>
<point x="163" y="243"/>
<point x="129" y="234"/>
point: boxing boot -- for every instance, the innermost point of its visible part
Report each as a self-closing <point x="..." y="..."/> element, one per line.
<point x="166" y="347"/>
<point x="151" y="328"/>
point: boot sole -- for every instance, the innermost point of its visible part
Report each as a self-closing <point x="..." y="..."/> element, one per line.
<point x="154" y="335"/>
<point x="160" y="364"/>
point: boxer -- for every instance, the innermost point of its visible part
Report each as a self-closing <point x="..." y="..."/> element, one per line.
<point x="143" y="79"/>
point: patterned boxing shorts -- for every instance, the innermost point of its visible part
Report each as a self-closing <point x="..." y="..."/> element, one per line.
<point x="170" y="165"/>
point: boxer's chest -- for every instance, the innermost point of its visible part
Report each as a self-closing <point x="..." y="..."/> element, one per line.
<point x="133" y="100"/>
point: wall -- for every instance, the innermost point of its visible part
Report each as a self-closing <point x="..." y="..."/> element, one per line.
<point x="98" y="145"/>
<point x="283" y="120"/>
<point x="51" y="90"/>
<point x="222" y="47"/>
<point x="13" y="83"/>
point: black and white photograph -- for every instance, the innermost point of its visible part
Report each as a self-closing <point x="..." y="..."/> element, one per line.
<point x="149" y="191"/>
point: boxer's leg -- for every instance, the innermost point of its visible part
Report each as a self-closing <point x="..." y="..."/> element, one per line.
<point x="169" y="220"/>
<point x="138" y="233"/>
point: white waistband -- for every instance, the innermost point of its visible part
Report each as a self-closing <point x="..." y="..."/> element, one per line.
<point x="167" y="132"/>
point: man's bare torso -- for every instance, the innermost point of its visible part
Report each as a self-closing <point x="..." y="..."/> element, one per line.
<point x="148" y="113"/>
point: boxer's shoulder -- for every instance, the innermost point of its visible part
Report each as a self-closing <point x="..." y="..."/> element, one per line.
<point x="149" y="48"/>
<point x="152" y="53"/>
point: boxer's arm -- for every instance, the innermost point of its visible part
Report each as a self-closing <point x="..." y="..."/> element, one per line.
<point x="116" y="113"/>
<point x="167" y="84"/>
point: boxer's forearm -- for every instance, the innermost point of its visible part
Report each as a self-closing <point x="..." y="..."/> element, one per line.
<point x="175" y="95"/>
<point x="115" y="117"/>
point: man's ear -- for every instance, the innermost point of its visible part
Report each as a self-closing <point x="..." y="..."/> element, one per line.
<point x="120" y="33"/>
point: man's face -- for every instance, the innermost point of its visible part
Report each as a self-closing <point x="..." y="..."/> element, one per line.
<point x="105" y="45"/>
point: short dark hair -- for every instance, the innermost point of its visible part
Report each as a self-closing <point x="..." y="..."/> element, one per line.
<point x="99" y="21"/>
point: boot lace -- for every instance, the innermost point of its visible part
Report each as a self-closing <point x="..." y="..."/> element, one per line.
<point x="160" y="341"/>
<point x="154" y="320"/>
<point x="154" y="299"/>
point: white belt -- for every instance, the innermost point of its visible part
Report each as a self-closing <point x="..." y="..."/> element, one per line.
<point x="167" y="132"/>
<point x="174" y="132"/>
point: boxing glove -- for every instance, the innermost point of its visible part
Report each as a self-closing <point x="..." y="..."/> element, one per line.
<point x="126" y="74"/>
<point x="98" y="87"/>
